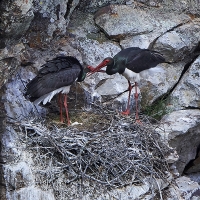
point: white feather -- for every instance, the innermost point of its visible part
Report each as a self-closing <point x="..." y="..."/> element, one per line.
<point x="135" y="77"/>
<point x="131" y="76"/>
<point x="47" y="97"/>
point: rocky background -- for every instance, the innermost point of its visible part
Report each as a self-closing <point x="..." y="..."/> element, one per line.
<point x="33" y="31"/>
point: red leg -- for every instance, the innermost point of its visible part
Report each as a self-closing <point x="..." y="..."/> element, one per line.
<point x="127" y="111"/>
<point x="136" y="104"/>
<point x="60" y="102"/>
<point x="66" y="108"/>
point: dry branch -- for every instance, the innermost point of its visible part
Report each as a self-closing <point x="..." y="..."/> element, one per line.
<point x="119" y="154"/>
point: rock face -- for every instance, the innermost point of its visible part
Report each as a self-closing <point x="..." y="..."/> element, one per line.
<point x="122" y="21"/>
<point x="182" y="135"/>
<point x="187" y="92"/>
<point x="180" y="42"/>
<point x="154" y="86"/>
<point x="184" y="188"/>
<point x="10" y="58"/>
<point x="194" y="165"/>
<point x="16" y="17"/>
<point x="34" y="31"/>
<point x="57" y="13"/>
<point x="15" y="103"/>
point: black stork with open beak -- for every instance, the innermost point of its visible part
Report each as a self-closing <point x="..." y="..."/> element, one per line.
<point x="56" y="76"/>
<point x="133" y="63"/>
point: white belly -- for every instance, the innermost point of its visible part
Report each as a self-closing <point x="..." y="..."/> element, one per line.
<point x="47" y="97"/>
<point x="131" y="76"/>
<point x="135" y="77"/>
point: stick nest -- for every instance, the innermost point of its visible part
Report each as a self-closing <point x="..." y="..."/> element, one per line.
<point x="108" y="151"/>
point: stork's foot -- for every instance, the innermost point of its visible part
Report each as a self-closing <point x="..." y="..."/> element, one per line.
<point x="61" y="117"/>
<point x="137" y="121"/>
<point x="63" y="122"/>
<point x="136" y="95"/>
<point x="68" y="123"/>
<point x="127" y="112"/>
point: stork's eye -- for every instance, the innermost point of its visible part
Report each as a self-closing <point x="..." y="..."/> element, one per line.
<point x="107" y="61"/>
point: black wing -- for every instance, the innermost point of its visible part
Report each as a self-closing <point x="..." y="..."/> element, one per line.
<point x="57" y="64"/>
<point x="59" y="72"/>
<point x="137" y="59"/>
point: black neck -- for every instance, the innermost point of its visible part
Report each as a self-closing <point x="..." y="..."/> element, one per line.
<point x="81" y="76"/>
<point x="113" y="69"/>
<point x="110" y="70"/>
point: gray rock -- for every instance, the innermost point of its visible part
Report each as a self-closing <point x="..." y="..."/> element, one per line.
<point x="158" y="84"/>
<point x="181" y="129"/>
<point x="170" y="5"/>
<point x="82" y="25"/>
<point x="117" y="21"/>
<point x="93" y="52"/>
<point x="9" y="65"/>
<point x="182" y="6"/>
<point x="22" y="183"/>
<point x="134" y="192"/>
<point x="58" y="12"/>
<point x="187" y="92"/>
<point x="143" y="41"/>
<point x="14" y="25"/>
<point x="188" y="6"/>
<point x="27" y="193"/>
<point x="195" y="177"/>
<point x="16" y="105"/>
<point x="194" y="165"/>
<point x="183" y="189"/>
<point x="14" y="51"/>
<point x="10" y="59"/>
<point x="94" y="5"/>
<point x="179" y="43"/>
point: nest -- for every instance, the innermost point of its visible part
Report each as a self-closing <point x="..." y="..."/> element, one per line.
<point x="110" y="151"/>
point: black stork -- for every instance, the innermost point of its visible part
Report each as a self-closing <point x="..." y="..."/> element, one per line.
<point x="55" y="76"/>
<point x="133" y="63"/>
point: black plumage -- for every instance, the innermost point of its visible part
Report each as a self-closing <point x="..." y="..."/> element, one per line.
<point x="136" y="59"/>
<point x="133" y="63"/>
<point x="56" y="73"/>
<point x="55" y="76"/>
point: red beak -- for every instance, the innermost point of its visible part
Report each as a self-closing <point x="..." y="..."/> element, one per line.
<point x="97" y="69"/>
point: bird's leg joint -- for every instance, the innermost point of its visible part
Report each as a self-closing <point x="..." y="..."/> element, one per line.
<point x="129" y="86"/>
<point x="65" y="102"/>
<point x="136" y="95"/>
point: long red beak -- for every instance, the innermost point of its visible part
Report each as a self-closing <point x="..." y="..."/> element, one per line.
<point x="97" y="69"/>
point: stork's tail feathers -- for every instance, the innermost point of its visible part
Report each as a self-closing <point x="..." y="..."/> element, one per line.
<point x="159" y="56"/>
<point x="34" y="90"/>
